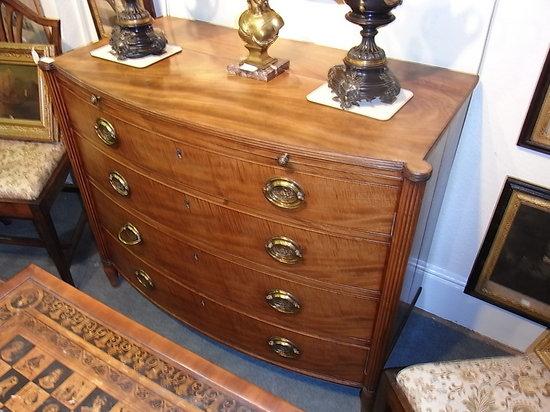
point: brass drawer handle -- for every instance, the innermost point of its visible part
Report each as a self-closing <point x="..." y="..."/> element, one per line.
<point x="118" y="183"/>
<point x="283" y="160"/>
<point x="283" y="347"/>
<point x="145" y="280"/>
<point x="284" y="250"/>
<point x="282" y="301"/>
<point x="105" y="131"/>
<point x="129" y="235"/>
<point x="284" y="193"/>
<point x="95" y="99"/>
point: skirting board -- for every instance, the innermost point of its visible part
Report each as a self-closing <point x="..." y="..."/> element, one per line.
<point x="443" y="295"/>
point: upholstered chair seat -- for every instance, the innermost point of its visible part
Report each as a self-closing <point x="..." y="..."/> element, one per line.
<point x="25" y="167"/>
<point x="516" y="383"/>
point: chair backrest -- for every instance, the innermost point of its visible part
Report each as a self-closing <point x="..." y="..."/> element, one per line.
<point x="12" y="13"/>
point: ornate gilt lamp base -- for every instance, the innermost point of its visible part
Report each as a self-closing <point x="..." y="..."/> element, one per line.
<point x="259" y="27"/>
<point x="133" y="36"/>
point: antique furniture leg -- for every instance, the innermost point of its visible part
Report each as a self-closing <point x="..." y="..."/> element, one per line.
<point x="46" y="229"/>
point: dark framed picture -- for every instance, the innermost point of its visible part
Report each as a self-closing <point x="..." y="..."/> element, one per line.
<point x="536" y="129"/>
<point x="104" y="13"/>
<point x="512" y="269"/>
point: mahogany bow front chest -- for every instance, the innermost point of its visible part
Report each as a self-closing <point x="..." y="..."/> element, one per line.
<point x="279" y="227"/>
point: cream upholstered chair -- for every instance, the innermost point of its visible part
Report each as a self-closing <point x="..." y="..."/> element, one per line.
<point x="31" y="173"/>
<point x="518" y="383"/>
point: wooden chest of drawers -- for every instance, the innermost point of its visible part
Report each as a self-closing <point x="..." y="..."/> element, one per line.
<point x="277" y="226"/>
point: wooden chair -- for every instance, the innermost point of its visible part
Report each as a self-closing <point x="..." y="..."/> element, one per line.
<point x="32" y="174"/>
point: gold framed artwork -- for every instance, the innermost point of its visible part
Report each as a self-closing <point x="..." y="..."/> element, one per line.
<point x="536" y="129"/>
<point x="25" y="108"/>
<point x="104" y="14"/>
<point x="512" y="269"/>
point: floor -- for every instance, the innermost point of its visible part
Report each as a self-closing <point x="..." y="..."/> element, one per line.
<point x="424" y="338"/>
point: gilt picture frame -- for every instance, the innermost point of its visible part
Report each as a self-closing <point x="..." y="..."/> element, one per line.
<point x="26" y="111"/>
<point x="104" y="14"/>
<point x="512" y="269"/>
<point x="535" y="133"/>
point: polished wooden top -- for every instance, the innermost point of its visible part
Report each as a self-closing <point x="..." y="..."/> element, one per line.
<point x="58" y="345"/>
<point x="194" y="89"/>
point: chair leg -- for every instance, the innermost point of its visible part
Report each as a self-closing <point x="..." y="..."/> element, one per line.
<point x="46" y="230"/>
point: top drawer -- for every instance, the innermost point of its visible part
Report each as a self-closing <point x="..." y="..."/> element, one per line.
<point x="312" y="194"/>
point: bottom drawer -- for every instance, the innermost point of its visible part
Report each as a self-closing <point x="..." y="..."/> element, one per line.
<point x="318" y="357"/>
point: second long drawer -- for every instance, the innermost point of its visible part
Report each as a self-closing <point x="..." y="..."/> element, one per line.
<point x="322" y="256"/>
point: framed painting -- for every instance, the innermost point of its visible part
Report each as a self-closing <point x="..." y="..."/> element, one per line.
<point x="104" y="14"/>
<point x="512" y="269"/>
<point x="25" y="107"/>
<point x="535" y="133"/>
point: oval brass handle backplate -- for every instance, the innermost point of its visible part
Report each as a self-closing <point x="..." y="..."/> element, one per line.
<point x="284" y="250"/>
<point x="129" y="235"/>
<point x="105" y="131"/>
<point x="282" y="301"/>
<point x="145" y="280"/>
<point x="284" y="193"/>
<point x="283" y="347"/>
<point x="119" y="183"/>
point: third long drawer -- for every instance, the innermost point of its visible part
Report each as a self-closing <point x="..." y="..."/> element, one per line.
<point x="319" y="357"/>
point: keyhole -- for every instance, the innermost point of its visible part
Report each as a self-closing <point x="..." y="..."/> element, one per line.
<point x="196" y="257"/>
<point x="179" y="153"/>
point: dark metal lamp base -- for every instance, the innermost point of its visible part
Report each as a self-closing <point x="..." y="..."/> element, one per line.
<point x="352" y="86"/>
<point x="135" y="42"/>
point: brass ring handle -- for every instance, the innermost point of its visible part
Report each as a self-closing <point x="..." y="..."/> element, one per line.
<point x="283" y="347"/>
<point x="282" y="301"/>
<point x="105" y="131"/>
<point x="284" y="250"/>
<point x="145" y="280"/>
<point x="119" y="183"/>
<point x="284" y="193"/>
<point x="129" y="235"/>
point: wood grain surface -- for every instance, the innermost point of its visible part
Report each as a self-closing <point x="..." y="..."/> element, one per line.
<point x="63" y="348"/>
<point x="193" y="89"/>
<point x="361" y="205"/>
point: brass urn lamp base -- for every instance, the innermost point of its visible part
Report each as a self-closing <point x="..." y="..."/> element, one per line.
<point x="259" y="27"/>
<point x="133" y="35"/>
<point x="365" y="74"/>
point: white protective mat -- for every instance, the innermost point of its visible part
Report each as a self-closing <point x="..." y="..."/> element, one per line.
<point x="104" y="52"/>
<point x="375" y="109"/>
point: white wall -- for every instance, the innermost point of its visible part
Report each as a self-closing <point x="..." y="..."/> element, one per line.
<point x="446" y="33"/>
<point x="486" y="155"/>
<point x="77" y="27"/>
